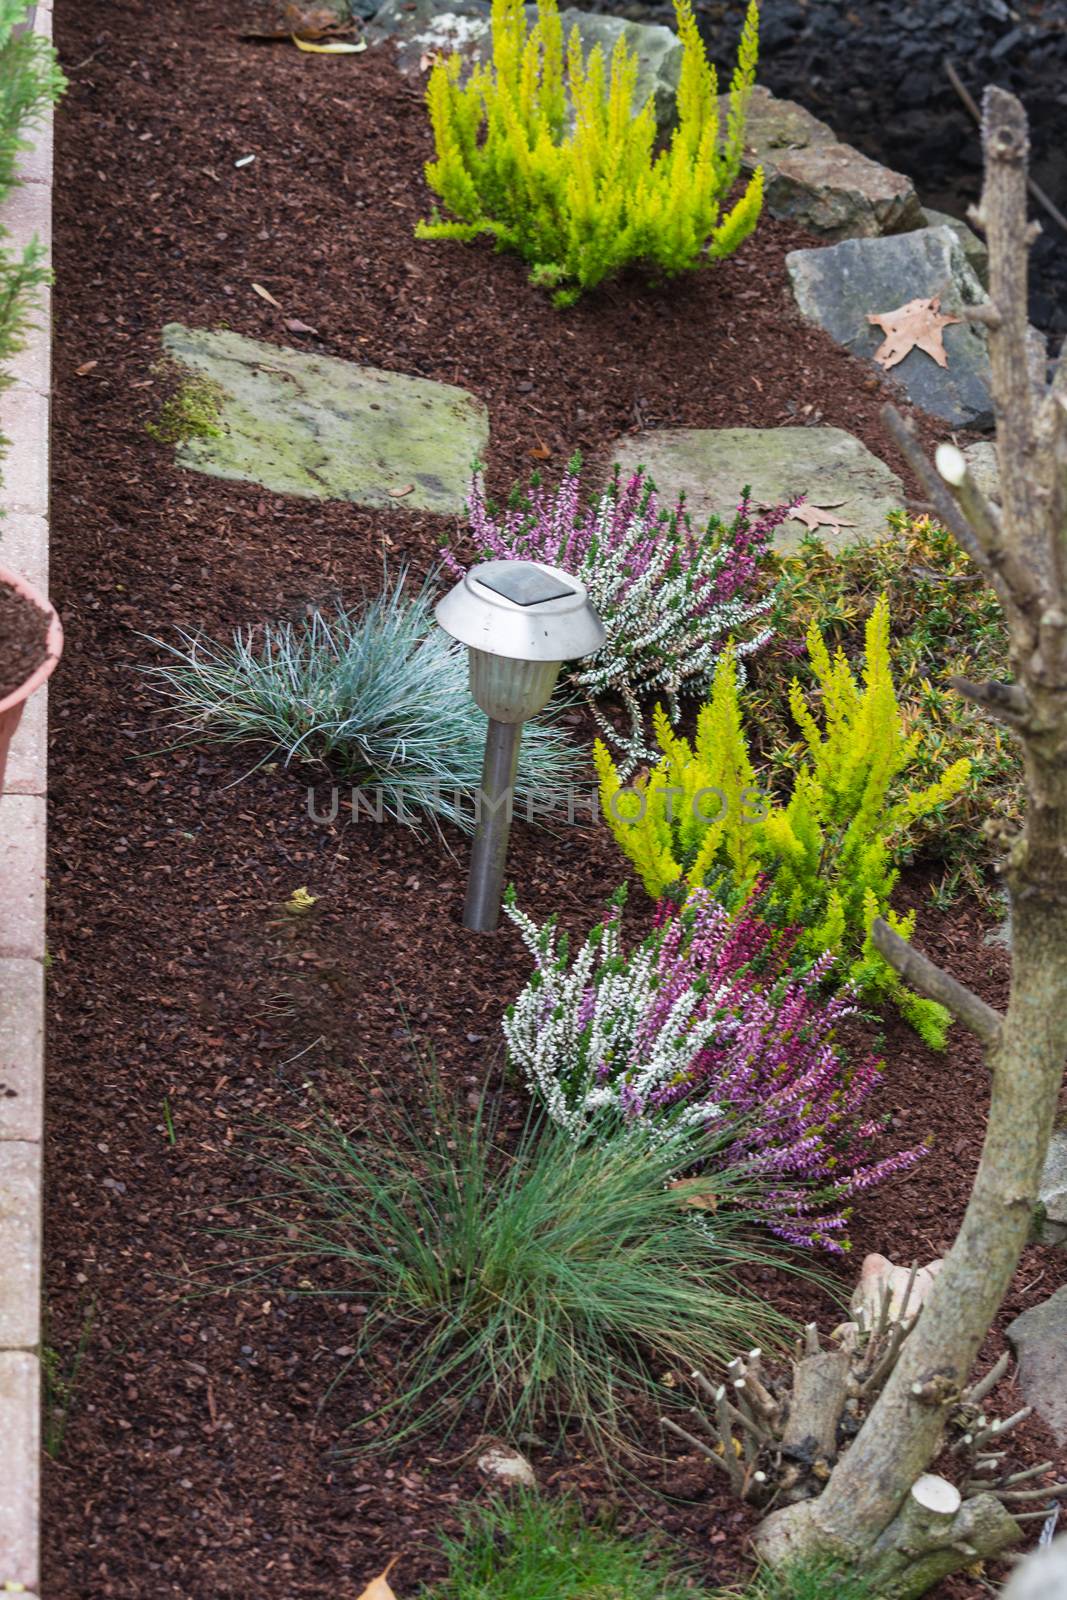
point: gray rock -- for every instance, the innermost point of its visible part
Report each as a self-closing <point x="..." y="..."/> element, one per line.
<point x="834" y="190"/>
<point x="421" y="30"/>
<point x="1052" y="1195"/>
<point x="1039" y="1339"/>
<point x="1042" y="1575"/>
<point x="328" y="429"/>
<point x="774" y="127"/>
<point x="814" y="180"/>
<point x="712" y="466"/>
<point x="500" y="1461"/>
<point x="837" y="287"/>
<point x="973" y="247"/>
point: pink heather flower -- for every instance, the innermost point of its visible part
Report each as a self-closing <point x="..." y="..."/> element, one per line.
<point x="669" y="595"/>
<point x="707" y="1023"/>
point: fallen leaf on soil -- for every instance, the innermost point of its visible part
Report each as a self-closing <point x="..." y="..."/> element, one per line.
<point x="300" y="902"/>
<point x="698" y="1196"/>
<point x="295" y="325"/>
<point x="336" y="47"/>
<point x="86" y="366"/>
<point x="265" y="294"/>
<point x="398" y="494"/>
<point x="915" y="326"/>
<point x="378" y="1588"/>
<point x="815" y="517"/>
<point x="540" y="451"/>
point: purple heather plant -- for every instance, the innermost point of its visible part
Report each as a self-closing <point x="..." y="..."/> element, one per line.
<point x="669" y="595"/>
<point x="705" y="1025"/>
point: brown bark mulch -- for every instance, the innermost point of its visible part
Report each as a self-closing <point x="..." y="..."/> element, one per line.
<point x="198" y="1461"/>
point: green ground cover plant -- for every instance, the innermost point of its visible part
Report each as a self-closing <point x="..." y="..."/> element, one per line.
<point x="944" y="621"/>
<point x="829" y="854"/>
<point x="552" y="1281"/>
<point x="377" y="696"/>
<point x="30" y="82"/>
<point x="581" y="197"/>
<point x="527" y="1547"/>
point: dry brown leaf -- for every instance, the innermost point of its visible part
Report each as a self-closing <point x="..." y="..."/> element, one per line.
<point x="295" y="325"/>
<point x="398" y="494"/>
<point x="540" y="451"/>
<point x="815" y="517"/>
<point x="378" y="1588"/>
<point x="697" y="1195"/>
<point x="86" y="366"/>
<point x="330" y="47"/>
<point x="915" y="326"/>
<point x="265" y="294"/>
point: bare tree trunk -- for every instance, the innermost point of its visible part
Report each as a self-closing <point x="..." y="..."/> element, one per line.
<point x="867" y="1512"/>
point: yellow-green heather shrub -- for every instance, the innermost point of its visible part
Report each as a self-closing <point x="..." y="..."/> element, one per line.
<point x="829" y="853"/>
<point x="579" y="198"/>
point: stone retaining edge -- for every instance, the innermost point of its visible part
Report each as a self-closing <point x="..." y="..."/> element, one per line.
<point x="24" y="419"/>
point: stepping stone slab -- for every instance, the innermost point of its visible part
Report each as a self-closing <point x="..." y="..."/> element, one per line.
<point x="330" y="430"/>
<point x="421" y="30"/>
<point x="823" y="465"/>
<point x="836" y="288"/>
<point x="1039" y="1338"/>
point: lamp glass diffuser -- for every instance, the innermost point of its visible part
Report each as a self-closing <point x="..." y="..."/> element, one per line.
<point x="508" y="690"/>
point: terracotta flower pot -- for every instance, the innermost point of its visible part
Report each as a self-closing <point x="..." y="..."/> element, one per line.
<point x="12" y="704"/>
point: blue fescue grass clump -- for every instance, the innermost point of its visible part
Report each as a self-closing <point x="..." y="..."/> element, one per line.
<point x="529" y="1548"/>
<point x="377" y="696"/>
<point x="550" y="1282"/>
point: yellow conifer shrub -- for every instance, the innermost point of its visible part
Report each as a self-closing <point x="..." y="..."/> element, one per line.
<point x="580" y="197"/>
<point x="829" y="854"/>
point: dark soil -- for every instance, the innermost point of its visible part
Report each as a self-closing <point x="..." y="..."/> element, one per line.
<point x="23" y="639"/>
<point x="199" y="1458"/>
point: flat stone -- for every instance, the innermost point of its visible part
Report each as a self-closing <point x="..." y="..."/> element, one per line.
<point x="507" y="1465"/>
<point x="1041" y="1575"/>
<point x="22" y="869"/>
<point x="1052" y="1194"/>
<point x="837" y="287"/>
<point x="1039" y="1339"/>
<point x="20" y="1244"/>
<point x="328" y="429"/>
<point x="825" y="465"/>
<point x="834" y="190"/>
<point x="24" y="422"/>
<point x="21" y="1050"/>
<point x="24" y="546"/>
<point x="974" y="248"/>
<point x="420" y="31"/>
<point x="20" y="1445"/>
<point x="27" y="757"/>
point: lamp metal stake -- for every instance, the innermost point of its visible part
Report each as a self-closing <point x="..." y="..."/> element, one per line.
<point x="485" y="885"/>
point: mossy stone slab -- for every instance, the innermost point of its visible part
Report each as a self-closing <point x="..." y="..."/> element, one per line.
<point x="826" y="466"/>
<point x="330" y="430"/>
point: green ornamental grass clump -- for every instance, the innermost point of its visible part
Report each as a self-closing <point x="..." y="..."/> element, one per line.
<point x="544" y="151"/>
<point x="549" y="1282"/>
<point x="527" y="1547"/>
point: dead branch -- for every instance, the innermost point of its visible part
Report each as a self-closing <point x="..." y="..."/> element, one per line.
<point x="922" y="974"/>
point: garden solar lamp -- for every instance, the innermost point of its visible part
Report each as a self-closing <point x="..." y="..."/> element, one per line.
<point x="520" y="621"/>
